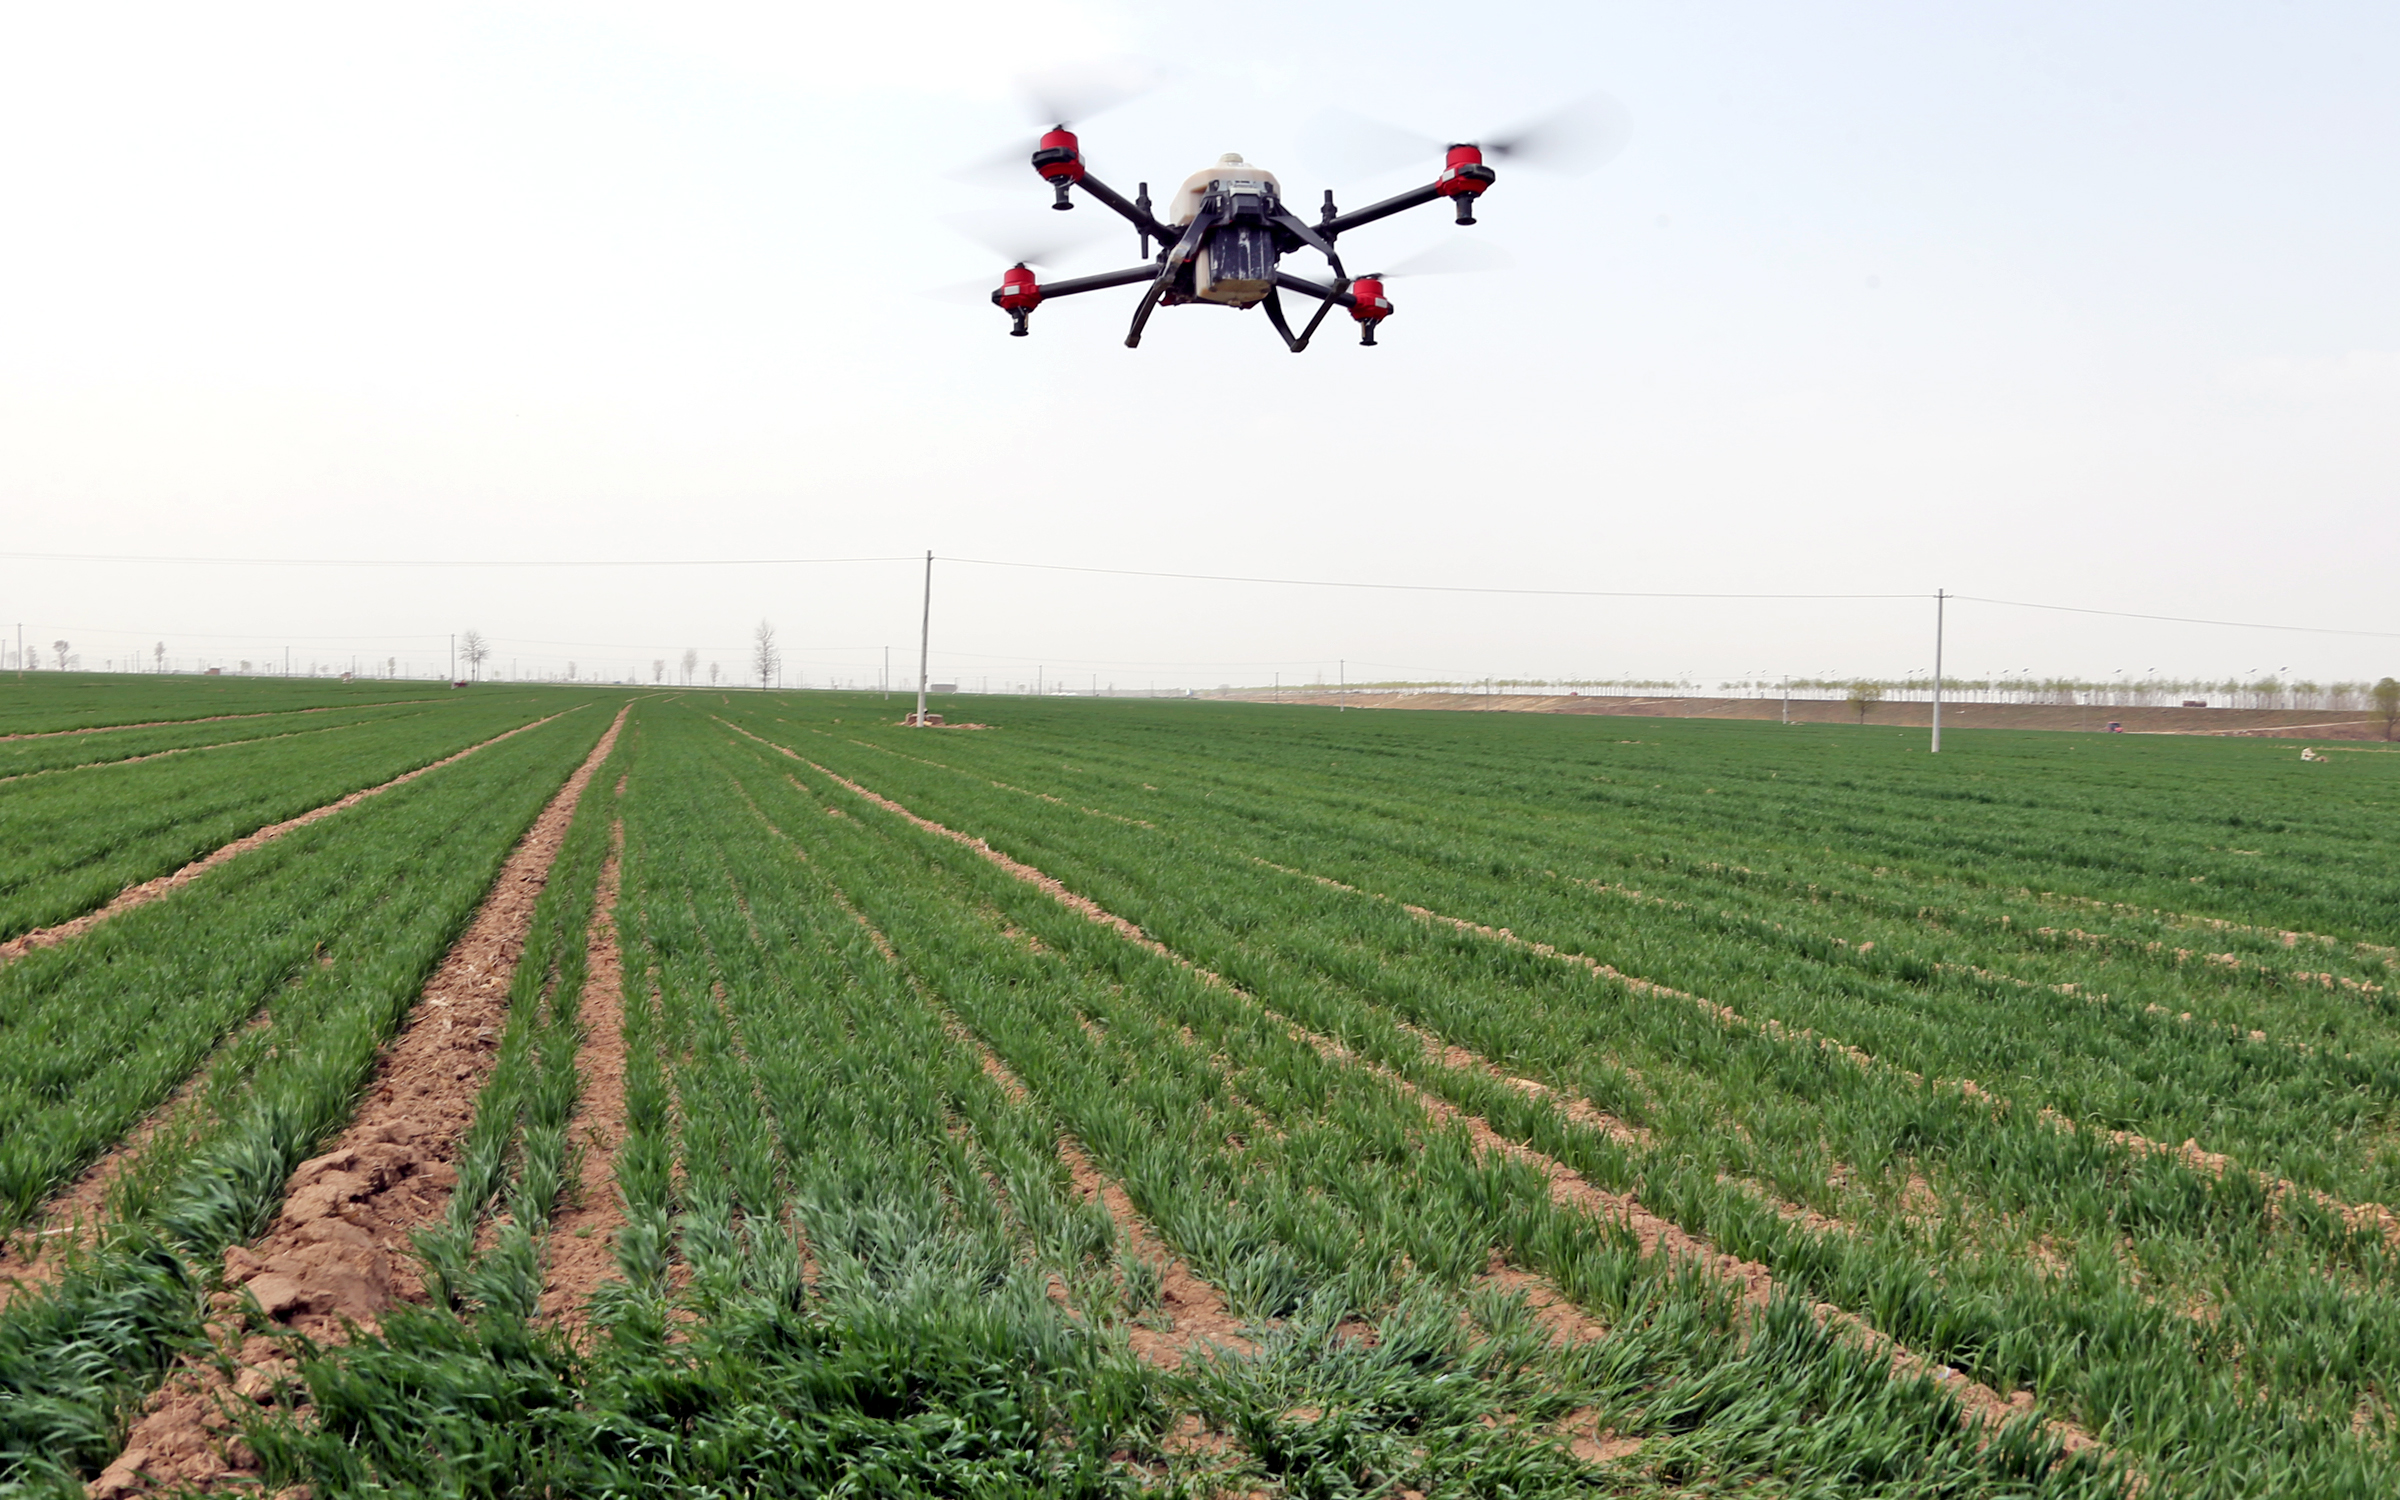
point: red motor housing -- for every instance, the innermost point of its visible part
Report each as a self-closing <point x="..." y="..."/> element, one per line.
<point x="1463" y="173"/>
<point x="1059" y="158"/>
<point x="1372" y="305"/>
<point x="1019" y="291"/>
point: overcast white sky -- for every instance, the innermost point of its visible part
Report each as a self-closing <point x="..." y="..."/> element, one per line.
<point x="2079" y="303"/>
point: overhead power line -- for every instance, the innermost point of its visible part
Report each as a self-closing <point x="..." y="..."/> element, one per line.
<point x="1311" y="583"/>
<point x="2127" y="614"/>
<point x="443" y="562"/>
<point x="1421" y="588"/>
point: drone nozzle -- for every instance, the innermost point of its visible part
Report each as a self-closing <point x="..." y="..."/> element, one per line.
<point x="1463" y="180"/>
<point x="1059" y="158"/>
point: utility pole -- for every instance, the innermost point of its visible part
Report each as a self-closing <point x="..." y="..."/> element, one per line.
<point x="454" y="656"/>
<point x="1938" y="597"/>
<point x="1787" y="697"/>
<point x="1279" y="687"/>
<point x="1037" y="681"/>
<point x="1341" y="683"/>
<point x="925" y="639"/>
<point x="887" y="671"/>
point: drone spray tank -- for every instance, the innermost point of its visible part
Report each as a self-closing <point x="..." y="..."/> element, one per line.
<point x="1235" y="265"/>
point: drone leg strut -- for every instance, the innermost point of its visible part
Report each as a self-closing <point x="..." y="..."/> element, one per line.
<point x="1274" y="306"/>
<point x="1184" y="250"/>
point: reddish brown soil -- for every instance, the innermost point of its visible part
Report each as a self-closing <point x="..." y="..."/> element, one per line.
<point x="151" y="890"/>
<point x="339" y="1252"/>
<point x="580" y="1250"/>
<point x="1199" y="1316"/>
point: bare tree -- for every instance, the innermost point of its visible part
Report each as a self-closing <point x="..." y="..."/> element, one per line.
<point x="658" y="669"/>
<point x="61" y="648"/>
<point x="712" y="674"/>
<point x="473" y="649"/>
<point x="691" y="664"/>
<point x="1864" y="695"/>
<point x="2387" y="703"/>
<point x="158" y="654"/>
<point x="764" y="658"/>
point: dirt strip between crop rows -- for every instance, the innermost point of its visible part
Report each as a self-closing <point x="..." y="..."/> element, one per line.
<point x="1756" y="1285"/>
<point x="150" y="890"/>
<point x="580" y="1249"/>
<point x="340" y="1251"/>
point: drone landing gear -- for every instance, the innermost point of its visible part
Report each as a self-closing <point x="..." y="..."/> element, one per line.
<point x="1168" y="265"/>
<point x="1274" y="306"/>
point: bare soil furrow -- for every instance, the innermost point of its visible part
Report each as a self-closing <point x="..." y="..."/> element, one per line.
<point x="340" y="1250"/>
<point x="150" y="890"/>
<point x="580" y="1251"/>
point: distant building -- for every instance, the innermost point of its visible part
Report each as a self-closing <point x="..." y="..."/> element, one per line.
<point x="942" y="687"/>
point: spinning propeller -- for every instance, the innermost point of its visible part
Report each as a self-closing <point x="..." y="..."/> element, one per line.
<point x="1579" y="138"/>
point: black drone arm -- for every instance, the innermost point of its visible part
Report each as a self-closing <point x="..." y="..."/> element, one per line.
<point x="1133" y="276"/>
<point x="1329" y="295"/>
<point x="1138" y="215"/>
<point x="1414" y="197"/>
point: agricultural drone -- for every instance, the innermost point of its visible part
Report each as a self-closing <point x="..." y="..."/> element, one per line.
<point x="1224" y="233"/>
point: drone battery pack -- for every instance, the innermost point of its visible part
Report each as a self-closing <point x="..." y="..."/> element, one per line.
<point x="1236" y="266"/>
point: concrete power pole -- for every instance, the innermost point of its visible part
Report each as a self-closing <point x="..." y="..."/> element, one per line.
<point x="1938" y="597"/>
<point x="925" y="639"/>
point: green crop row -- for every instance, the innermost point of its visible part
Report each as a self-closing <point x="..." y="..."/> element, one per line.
<point x="327" y="936"/>
<point x="2182" y="1296"/>
<point x="70" y="843"/>
<point x="55" y="754"/>
<point x="1935" y="990"/>
<point x="854" y="1262"/>
<point x="49" y="702"/>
